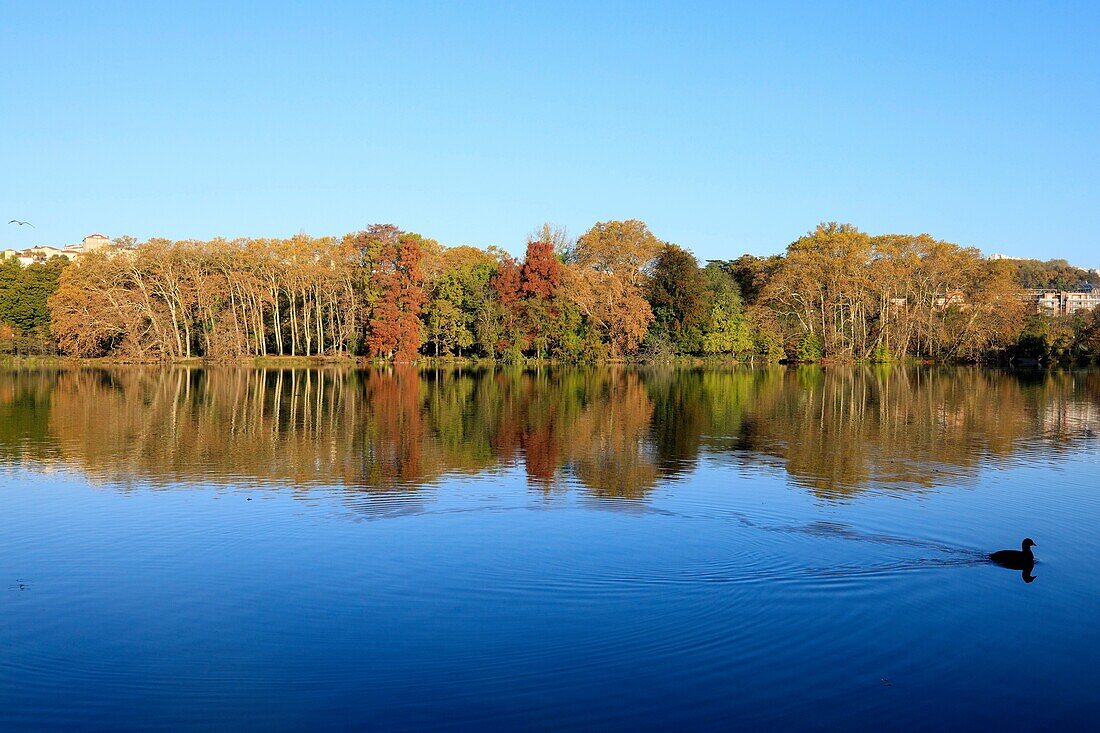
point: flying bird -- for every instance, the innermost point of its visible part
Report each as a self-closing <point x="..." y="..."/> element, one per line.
<point x="21" y="223"/>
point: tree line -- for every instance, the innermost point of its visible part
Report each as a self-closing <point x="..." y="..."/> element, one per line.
<point x="390" y="294"/>
<point x="841" y="293"/>
<point x="617" y="292"/>
<point x="1053" y="274"/>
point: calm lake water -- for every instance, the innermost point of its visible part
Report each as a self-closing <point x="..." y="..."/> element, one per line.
<point x="612" y="548"/>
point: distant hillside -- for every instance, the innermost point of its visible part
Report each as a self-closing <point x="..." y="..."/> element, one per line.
<point x="1053" y="275"/>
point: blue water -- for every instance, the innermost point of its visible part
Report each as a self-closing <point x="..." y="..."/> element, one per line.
<point x="146" y="584"/>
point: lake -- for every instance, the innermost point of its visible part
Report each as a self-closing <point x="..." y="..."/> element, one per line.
<point x="547" y="549"/>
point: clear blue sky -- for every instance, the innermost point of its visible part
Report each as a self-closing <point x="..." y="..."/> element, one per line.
<point x="727" y="127"/>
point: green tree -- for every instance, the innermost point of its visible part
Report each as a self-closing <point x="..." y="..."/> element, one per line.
<point x="446" y="320"/>
<point x="726" y="330"/>
<point x="25" y="292"/>
<point x="1051" y="275"/>
<point x="677" y="294"/>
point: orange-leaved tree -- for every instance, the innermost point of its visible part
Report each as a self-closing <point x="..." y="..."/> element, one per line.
<point x="395" y="285"/>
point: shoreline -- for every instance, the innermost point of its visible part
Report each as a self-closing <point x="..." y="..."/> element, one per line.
<point x="283" y="362"/>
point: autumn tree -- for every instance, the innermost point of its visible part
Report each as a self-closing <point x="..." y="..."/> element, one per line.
<point x="505" y="321"/>
<point x="91" y="311"/>
<point x="837" y="293"/>
<point x="1088" y="336"/>
<point x="611" y="264"/>
<point x="540" y="281"/>
<point x="395" y="281"/>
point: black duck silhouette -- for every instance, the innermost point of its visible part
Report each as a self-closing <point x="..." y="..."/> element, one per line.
<point x="1022" y="559"/>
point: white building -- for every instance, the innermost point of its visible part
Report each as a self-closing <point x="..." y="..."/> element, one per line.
<point x="1066" y="303"/>
<point x="42" y="252"/>
<point x="94" y="242"/>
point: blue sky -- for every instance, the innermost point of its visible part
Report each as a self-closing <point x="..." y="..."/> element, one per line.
<point x="728" y="127"/>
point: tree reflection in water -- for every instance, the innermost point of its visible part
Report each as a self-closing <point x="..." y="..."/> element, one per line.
<point x="616" y="431"/>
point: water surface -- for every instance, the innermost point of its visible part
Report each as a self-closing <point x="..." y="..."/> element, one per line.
<point x="547" y="549"/>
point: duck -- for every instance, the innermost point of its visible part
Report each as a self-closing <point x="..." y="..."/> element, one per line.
<point x="1021" y="559"/>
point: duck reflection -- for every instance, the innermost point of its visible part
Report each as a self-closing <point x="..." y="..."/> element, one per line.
<point x="1022" y="559"/>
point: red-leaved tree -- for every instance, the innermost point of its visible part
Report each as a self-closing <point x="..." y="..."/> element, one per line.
<point x="395" y="280"/>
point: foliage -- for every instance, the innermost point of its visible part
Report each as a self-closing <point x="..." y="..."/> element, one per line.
<point x="1051" y="275"/>
<point x="726" y="330"/>
<point x="854" y="296"/>
<point x="612" y="262"/>
<point x="616" y="292"/>
<point x="24" y="291"/>
<point x="881" y="355"/>
<point x="678" y="297"/>
<point x="24" y="309"/>
<point x="809" y="348"/>
<point x="457" y="293"/>
<point x="394" y="277"/>
<point x="1088" y="336"/>
<point x="750" y="273"/>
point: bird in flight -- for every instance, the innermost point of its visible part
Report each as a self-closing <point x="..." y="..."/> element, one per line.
<point x="21" y="223"/>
